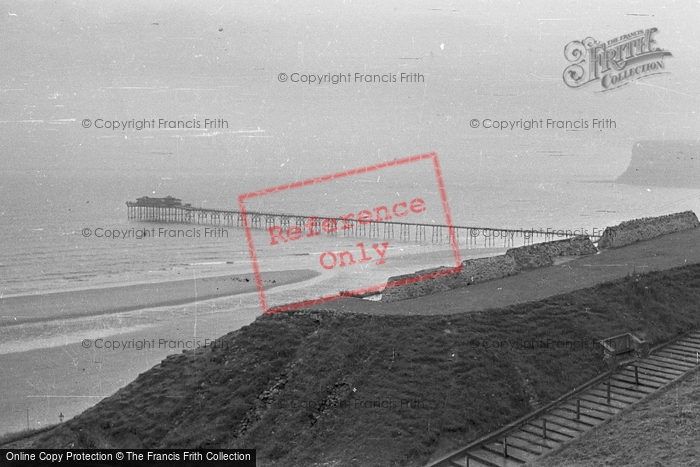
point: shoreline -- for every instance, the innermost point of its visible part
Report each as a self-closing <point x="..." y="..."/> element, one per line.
<point x="52" y="306"/>
<point x="132" y="296"/>
<point x="149" y="277"/>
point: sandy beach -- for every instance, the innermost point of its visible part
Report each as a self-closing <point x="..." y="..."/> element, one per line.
<point x="62" y="352"/>
<point x="90" y="302"/>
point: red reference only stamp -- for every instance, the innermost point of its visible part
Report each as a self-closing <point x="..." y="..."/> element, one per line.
<point x="358" y="224"/>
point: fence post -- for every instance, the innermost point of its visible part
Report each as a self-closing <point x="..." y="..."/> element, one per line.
<point x="608" y="392"/>
<point x="578" y="409"/>
<point x="544" y="428"/>
<point x="505" y="446"/>
<point x="636" y="375"/>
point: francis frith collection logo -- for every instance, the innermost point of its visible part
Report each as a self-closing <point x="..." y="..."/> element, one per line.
<point x="616" y="62"/>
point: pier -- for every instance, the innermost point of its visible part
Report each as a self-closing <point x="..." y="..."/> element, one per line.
<point x="171" y="210"/>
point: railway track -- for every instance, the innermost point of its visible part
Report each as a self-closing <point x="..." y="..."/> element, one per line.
<point x="581" y="410"/>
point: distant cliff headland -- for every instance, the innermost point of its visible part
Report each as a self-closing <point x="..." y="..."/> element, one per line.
<point x="670" y="163"/>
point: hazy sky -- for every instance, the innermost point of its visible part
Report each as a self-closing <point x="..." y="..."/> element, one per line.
<point x="64" y="62"/>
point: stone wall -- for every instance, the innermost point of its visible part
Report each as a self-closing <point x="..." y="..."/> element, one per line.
<point x="535" y="256"/>
<point x="485" y="269"/>
<point x="649" y="227"/>
<point x="541" y="254"/>
<point x="426" y="286"/>
<point x="529" y="257"/>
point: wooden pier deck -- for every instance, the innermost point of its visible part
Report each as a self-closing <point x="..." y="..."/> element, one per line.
<point x="469" y="237"/>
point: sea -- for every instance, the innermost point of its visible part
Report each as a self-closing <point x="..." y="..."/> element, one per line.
<point x="67" y="172"/>
<point x="53" y="232"/>
<point x="45" y="217"/>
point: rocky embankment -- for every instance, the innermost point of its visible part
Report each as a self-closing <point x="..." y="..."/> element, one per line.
<point x="646" y="228"/>
<point x="472" y="271"/>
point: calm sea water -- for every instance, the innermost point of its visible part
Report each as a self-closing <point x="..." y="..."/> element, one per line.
<point x="43" y="216"/>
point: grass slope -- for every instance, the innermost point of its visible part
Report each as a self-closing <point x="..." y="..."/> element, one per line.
<point x="314" y="388"/>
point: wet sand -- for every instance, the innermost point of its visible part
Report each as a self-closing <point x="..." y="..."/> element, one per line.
<point x="92" y="302"/>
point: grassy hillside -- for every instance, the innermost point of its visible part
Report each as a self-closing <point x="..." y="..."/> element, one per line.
<point x="309" y="388"/>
